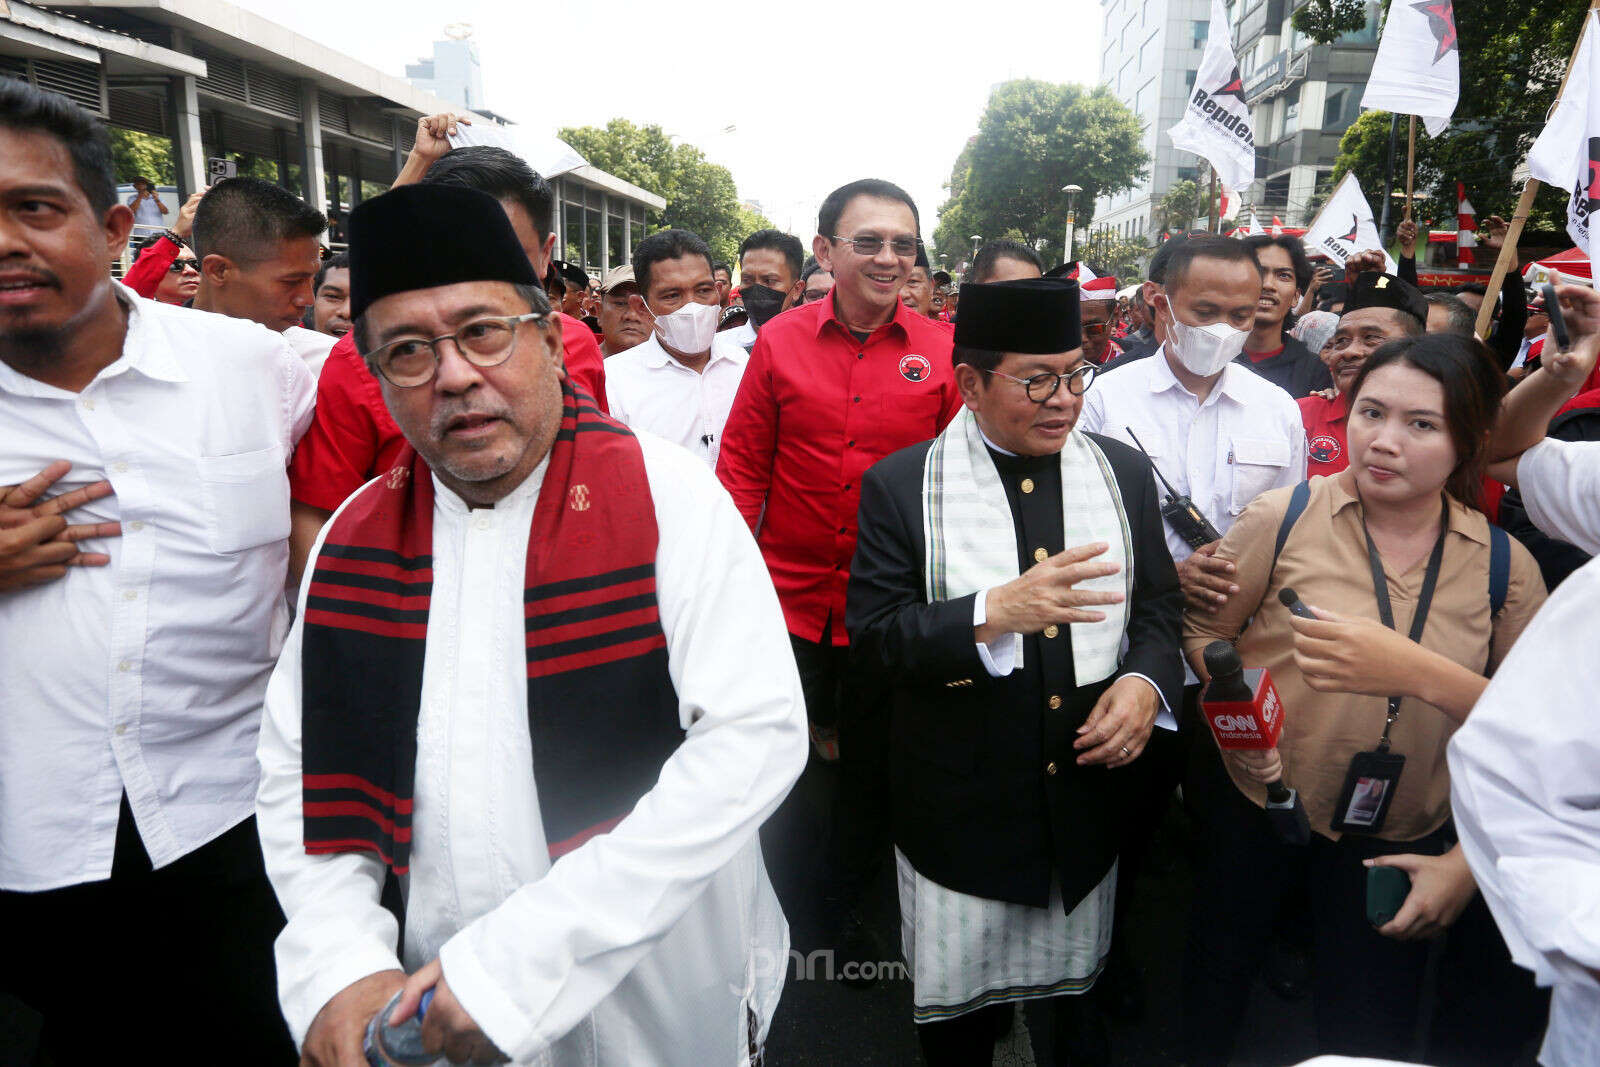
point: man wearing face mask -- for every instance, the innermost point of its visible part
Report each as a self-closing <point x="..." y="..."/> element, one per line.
<point x="1214" y="430"/>
<point x="769" y="280"/>
<point x="680" y="382"/>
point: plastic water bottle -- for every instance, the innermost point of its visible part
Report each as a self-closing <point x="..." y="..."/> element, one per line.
<point x="398" y="1046"/>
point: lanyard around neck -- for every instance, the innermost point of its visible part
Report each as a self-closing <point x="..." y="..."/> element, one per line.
<point x="1380" y="590"/>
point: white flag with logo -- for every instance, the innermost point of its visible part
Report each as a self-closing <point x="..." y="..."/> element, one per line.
<point x="1418" y="67"/>
<point x="1344" y="226"/>
<point x="1567" y="154"/>
<point x="1216" y="122"/>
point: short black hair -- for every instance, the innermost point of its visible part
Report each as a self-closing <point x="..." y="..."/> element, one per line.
<point x="1474" y="287"/>
<point x="665" y="245"/>
<point x="1290" y="244"/>
<point x="246" y="218"/>
<point x="575" y="276"/>
<point x="833" y="207"/>
<point x="979" y="358"/>
<point x="500" y="174"/>
<point x="1207" y="246"/>
<point x="786" y="244"/>
<point x="983" y="264"/>
<point x="811" y="267"/>
<point x="941" y="277"/>
<point x="28" y="109"/>
<point x="335" y="262"/>
<point x="1459" y="316"/>
<point x="723" y="267"/>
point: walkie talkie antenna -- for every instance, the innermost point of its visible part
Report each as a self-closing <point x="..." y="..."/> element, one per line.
<point x="1171" y="492"/>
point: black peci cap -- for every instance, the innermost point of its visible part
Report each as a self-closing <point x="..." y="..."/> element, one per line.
<point x="1374" y="290"/>
<point x="1036" y="316"/>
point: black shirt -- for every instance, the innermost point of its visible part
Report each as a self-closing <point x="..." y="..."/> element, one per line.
<point x="1296" y="370"/>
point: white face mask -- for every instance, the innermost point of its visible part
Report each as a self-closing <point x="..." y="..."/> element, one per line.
<point x="689" y="329"/>
<point x="1204" y="350"/>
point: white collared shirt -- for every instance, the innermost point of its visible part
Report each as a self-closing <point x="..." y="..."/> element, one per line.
<point x="1245" y="439"/>
<point x="649" y="390"/>
<point x="643" y="945"/>
<point x="312" y="346"/>
<point x="1560" y="486"/>
<point x="147" y="675"/>
<point x="1524" y="772"/>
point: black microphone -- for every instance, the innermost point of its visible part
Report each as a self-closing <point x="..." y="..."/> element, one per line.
<point x="1291" y="600"/>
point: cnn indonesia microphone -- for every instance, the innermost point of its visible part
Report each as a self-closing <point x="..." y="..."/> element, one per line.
<point x="1245" y="714"/>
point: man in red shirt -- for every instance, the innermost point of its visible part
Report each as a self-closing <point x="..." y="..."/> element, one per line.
<point x="831" y="388"/>
<point x="1381" y="308"/>
<point x="352" y="438"/>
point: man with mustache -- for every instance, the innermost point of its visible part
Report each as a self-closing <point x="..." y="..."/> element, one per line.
<point x="1271" y="350"/>
<point x="133" y="688"/>
<point x="1381" y="308"/>
<point x="583" y="689"/>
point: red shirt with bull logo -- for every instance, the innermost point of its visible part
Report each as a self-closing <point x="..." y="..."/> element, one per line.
<point x="1327" y="451"/>
<point x="816" y="407"/>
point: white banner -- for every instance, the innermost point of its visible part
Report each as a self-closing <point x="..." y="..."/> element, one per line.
<point x="546" y="153"/>
<point x="1567" y="153"/>
<point x="1418" y="67"/>
<point x="1216" y="122"/>
<point x="1344" y="226"/>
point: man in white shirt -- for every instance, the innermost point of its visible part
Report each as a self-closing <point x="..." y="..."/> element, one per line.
<point x="1522" y="769"/>
<point x="260" y="249"/>
<point x="582" y="690"/>
<point x="1213" y="430"/>
<point x="133" y="690"/>
<point x="680" y="383"/>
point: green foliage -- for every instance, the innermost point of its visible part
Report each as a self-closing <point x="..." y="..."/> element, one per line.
<point x="1512" y="60"/>
<point x="1107" y="252"/>
<point x="1325" y="20"/>
<point x="1184" y="203"/>
<point x="700" y="195"/>
<point x="1034" y="138"/>
<point x="141" y="155"/>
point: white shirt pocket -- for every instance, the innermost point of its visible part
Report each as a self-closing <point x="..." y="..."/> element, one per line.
<point x="247" y="495"/>
<point x="1257" y="464"/>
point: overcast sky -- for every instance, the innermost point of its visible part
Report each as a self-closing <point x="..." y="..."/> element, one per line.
<point x="818" y="94"/>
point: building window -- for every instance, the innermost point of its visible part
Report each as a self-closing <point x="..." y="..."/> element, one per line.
<point x="1202" y="29"/>
<point x="1343" y="106"/>
<point x="1188" y="80"/>
<point x="1367" y="34"/>
<point x="1291" y="111"/>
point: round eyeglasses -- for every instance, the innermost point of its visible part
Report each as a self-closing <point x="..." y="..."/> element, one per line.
<point x="1042" y="387"/>
<point x="412" y="361"/>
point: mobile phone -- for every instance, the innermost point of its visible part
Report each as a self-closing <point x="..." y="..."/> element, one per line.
<point x="1558" y="324"/>
<point x="1387" y="889"/>
<point x="220" y="168"/>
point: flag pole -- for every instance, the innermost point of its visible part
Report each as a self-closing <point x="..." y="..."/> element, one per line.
<point x="1211" y="203"/>
<point x="1411" y="163"/>
<point x="1508" y="248"/>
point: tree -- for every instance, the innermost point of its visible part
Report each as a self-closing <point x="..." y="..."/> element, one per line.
<point x="1324" y="20"/>
<point x="1107" y="252"/>
<point x="701" y="196"/>
<point x="1183" y="203"/>
<point x="141" y="155"/>
<point x="1512" y="60"/>
<point x="1034" y="138"/>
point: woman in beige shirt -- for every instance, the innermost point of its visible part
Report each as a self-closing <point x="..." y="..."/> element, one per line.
<point x="1421" y="411"/>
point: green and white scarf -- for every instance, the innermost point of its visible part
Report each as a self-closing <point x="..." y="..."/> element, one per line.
<point x="971" y="544"/>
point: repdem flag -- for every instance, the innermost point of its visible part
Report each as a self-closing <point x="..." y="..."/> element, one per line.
<point x="1567" y="154"/>
<point x="1418" y="67"/>
<point x="1344" y="226"/>
<point x="1216" y="122"/>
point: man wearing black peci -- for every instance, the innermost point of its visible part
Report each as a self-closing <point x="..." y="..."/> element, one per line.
<point x="1014" y="712"/>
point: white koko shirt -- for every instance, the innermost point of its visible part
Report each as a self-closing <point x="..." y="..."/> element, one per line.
<point x="658" y="942"/>
<point x="147" y="675"/>
<point x="649" y="390"/>
<point x="1245" y="439"/>
<point x="1525" y="767"/>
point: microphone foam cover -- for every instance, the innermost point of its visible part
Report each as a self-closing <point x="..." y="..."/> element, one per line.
<point x="1222" y="659"/>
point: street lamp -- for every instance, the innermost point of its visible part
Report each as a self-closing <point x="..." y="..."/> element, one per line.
<point x="1072" y="192"/>
<point x="976" y="238"/>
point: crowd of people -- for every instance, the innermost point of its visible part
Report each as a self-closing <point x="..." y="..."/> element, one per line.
<point x="708" y="537"/>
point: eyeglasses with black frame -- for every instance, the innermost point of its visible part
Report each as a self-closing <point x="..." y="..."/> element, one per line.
<point x="1042" y="387"/>
<point x="870" y="244"/>
<point x="180" y="265"/>
<point x="488" y="342"/>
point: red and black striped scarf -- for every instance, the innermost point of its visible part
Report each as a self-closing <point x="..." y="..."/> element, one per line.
<point x="602" y="711"/>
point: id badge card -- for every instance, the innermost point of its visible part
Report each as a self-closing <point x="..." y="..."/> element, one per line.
<point x="1369" y="788"/>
